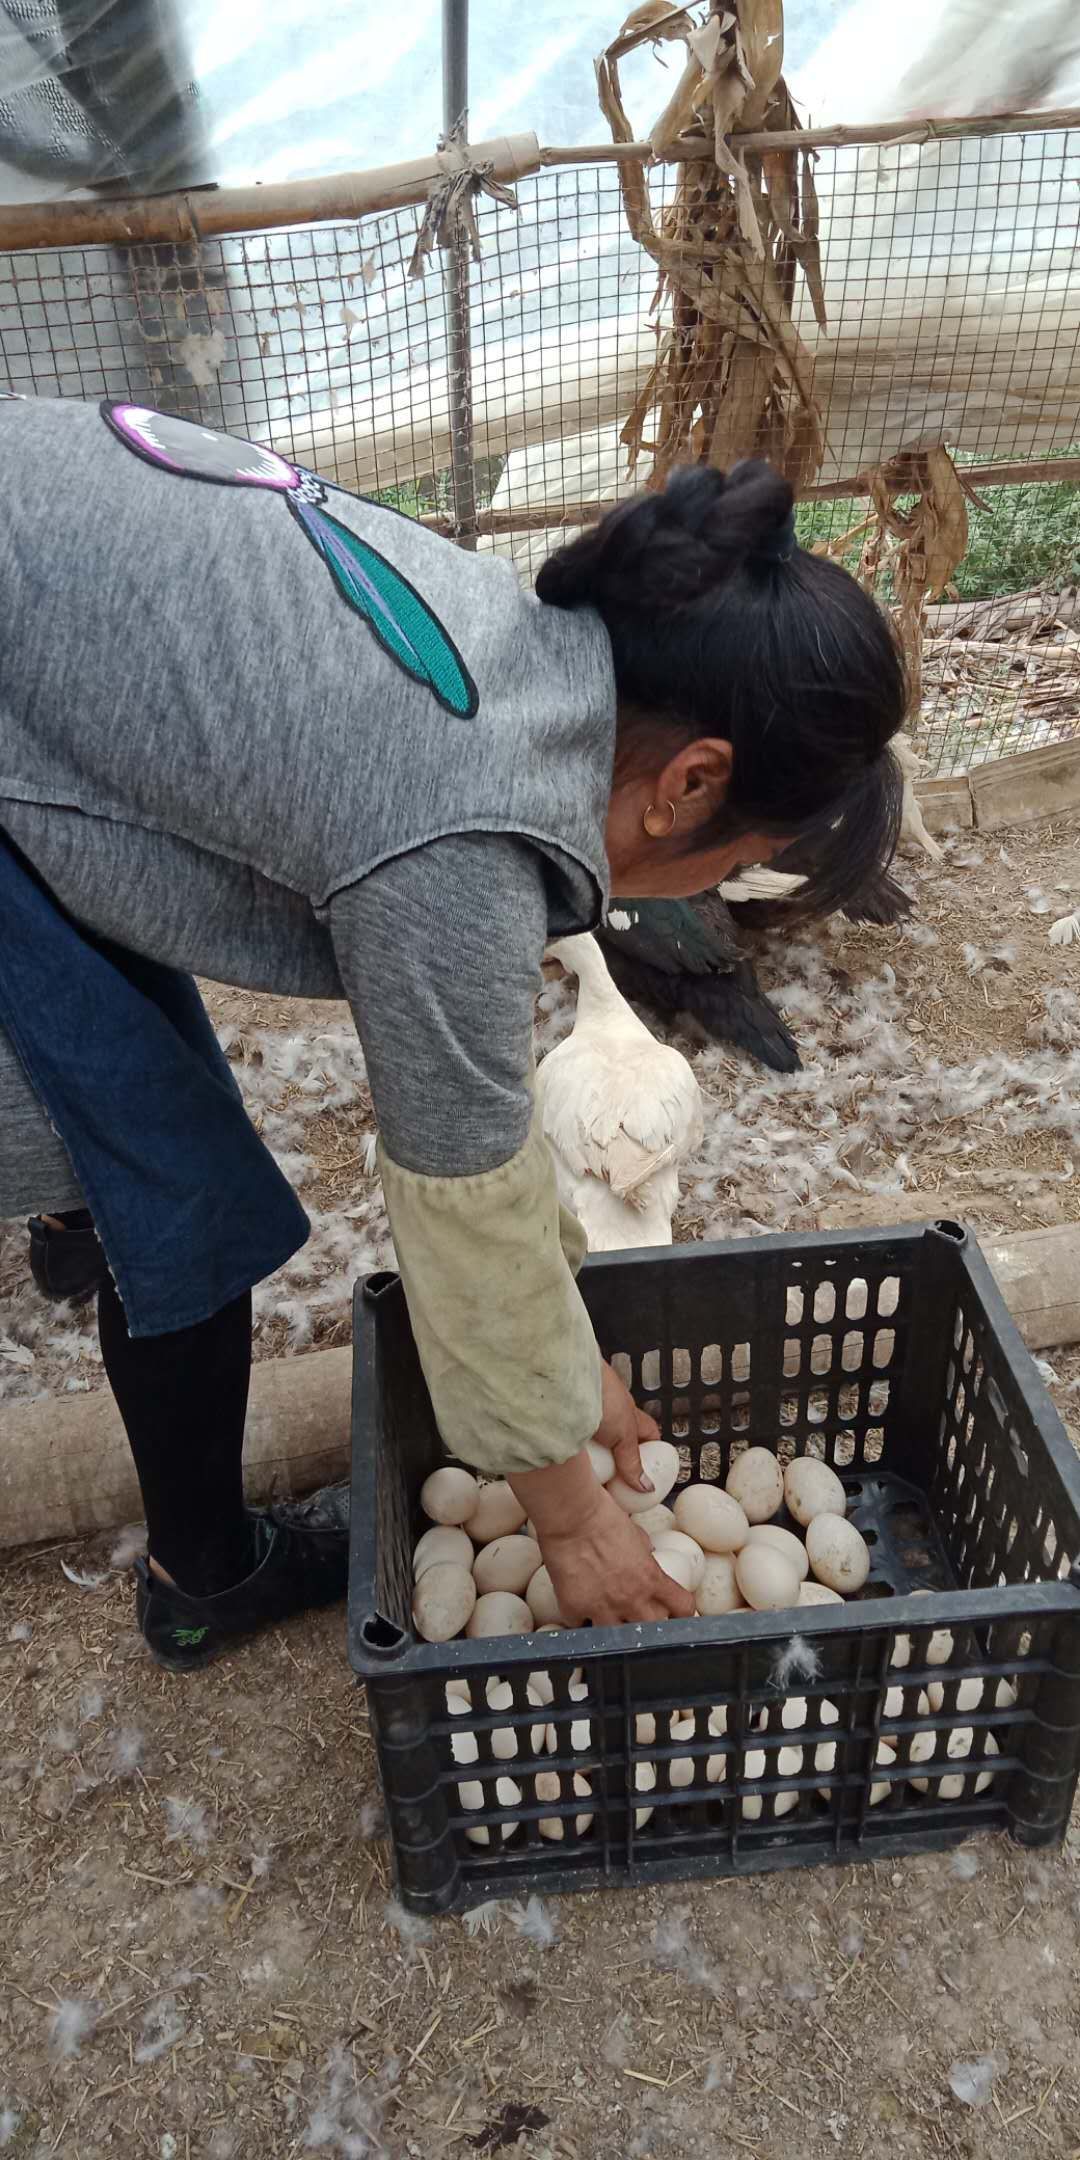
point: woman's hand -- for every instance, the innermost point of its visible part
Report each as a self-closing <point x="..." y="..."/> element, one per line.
<point x="602" y="1569"/>
<point x="600" y="1563"/>
<point x="622" y="1428"/>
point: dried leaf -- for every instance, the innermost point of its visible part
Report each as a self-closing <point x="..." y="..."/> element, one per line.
<point x="930" y="540"/>
<point x="737" y="430"/>
<point x="811" y="213"/>
<point x="680" y="111"/>
<point x="705" y="43"/>
<point x="763" y="43"/>
<point x="653" y="20"/>
<point x="728" y="95"/>
<point x="781" y="175"/>
<point x="733" y="375"/>
<point x="840" y="542"/>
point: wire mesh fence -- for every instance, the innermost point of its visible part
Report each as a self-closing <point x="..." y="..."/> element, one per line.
<point x="951" y="277"/>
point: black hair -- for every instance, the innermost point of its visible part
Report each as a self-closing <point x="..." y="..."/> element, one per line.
<point x="720" y="626"/>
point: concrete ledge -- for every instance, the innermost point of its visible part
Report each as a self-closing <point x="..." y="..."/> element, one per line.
<point x="946" y="804"/>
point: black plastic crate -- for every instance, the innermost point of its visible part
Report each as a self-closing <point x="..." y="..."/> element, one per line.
<point x="892" y="1356"/>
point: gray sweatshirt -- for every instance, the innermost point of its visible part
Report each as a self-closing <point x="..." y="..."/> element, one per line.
<point x="213" y="759"/>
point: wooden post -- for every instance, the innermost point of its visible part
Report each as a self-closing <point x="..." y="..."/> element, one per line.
<point x="65" y="1467"/>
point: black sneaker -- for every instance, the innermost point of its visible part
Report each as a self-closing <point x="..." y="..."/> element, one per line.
<point x="301" y="1560"/>
<point x="66" y="1262"/>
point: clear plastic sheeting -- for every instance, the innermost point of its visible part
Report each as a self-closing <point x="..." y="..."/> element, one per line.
<point x="975" y="56"/>
<point x="96" y="94"/>
<point x="167" y="93"/>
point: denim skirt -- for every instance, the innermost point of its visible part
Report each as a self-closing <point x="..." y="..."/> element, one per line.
<point x="115" y="1095"/>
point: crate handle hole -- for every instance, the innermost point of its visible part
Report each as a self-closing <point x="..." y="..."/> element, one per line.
<point x="383" y="1635"/>
<point x="376" y="1286"/>
<point x="953" y="1230"/>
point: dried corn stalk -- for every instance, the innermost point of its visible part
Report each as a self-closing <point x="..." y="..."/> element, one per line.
<point x="929" y="540"/>
<point x="732" y="376"/>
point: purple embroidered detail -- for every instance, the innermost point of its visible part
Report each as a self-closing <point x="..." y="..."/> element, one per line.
<point x="198" y="453"/>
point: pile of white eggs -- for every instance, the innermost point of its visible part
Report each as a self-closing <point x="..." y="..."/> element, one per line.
<point x="479" y="1572"/>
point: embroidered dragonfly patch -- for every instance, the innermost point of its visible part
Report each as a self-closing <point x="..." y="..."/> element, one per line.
<point x="400" y="618"/>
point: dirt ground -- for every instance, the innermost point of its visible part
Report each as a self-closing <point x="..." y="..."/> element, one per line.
<point x="200" y="1956"/>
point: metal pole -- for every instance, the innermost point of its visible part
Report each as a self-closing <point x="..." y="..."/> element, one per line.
<point x="456" y="286"/>
<point x="455" y="18"/>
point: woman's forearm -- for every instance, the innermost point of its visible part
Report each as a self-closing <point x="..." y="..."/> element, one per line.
<point x="558" y="1493"/>
<point x="440" y="955"/>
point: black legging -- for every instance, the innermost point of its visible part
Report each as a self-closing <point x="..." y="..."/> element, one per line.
<point x="183" y="1400"/>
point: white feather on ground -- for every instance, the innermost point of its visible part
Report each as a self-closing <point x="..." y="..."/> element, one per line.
<point x="620" y="1110"/>
<point x="1066" y="930"/>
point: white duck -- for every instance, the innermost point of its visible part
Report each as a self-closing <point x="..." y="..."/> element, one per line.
<point x="912" y="826"/>
<point x="619" y="1110"/>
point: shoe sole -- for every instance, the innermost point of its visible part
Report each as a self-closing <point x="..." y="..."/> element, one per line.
<point x="185" y="1664"/>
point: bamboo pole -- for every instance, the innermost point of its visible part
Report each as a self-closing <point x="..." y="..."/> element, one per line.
<point x="859" y="135"/>
<point x="997" y="472"/>
<point x="205" y="213"/>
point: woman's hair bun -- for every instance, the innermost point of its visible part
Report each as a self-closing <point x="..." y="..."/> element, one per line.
<point x="671" y="548"/>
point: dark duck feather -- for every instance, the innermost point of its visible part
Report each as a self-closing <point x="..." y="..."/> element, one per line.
<point x="684" y="960"/>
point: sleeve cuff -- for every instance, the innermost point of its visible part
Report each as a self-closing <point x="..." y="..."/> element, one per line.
<point x="506" y="1345"/>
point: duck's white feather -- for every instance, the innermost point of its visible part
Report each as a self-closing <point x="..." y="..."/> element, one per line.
<point x="619" y="1109"/>
<point x="1066" y="930"/>
<point x="755" y="881"/>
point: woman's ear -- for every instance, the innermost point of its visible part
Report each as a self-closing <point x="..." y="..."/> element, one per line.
<point x="697" y="780"/>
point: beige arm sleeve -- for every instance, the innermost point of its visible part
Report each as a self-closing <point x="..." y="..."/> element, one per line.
<point x="506" y="1345"/>
<point x="575" y="1245"/>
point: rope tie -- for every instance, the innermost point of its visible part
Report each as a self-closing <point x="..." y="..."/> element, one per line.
<point x="450" y="209"/>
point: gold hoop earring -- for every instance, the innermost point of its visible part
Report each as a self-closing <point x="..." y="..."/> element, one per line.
<point x="664" y="832"/>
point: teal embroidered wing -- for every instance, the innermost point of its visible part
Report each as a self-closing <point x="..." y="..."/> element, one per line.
<point x="401" y="620"/>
